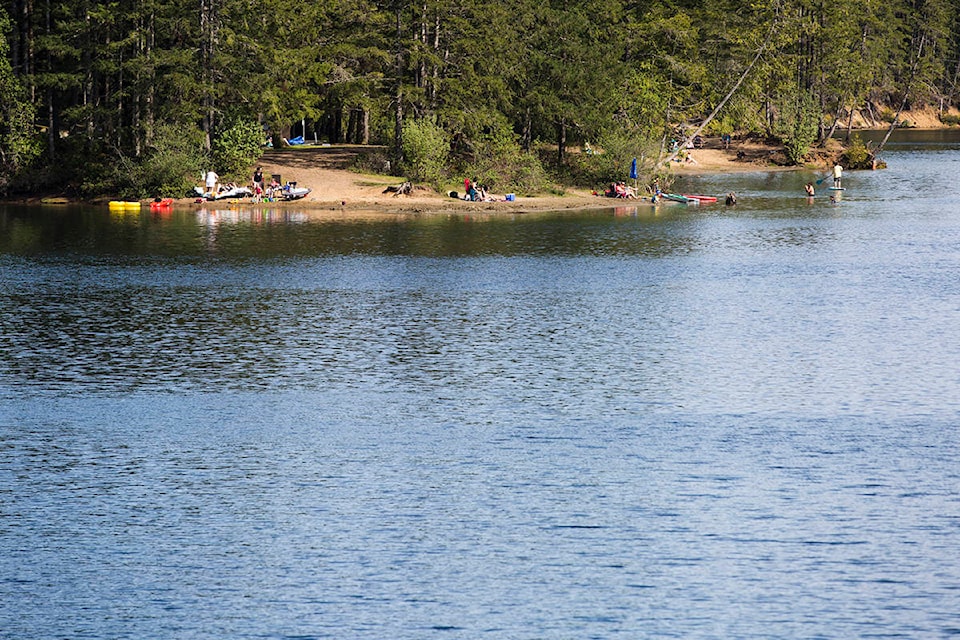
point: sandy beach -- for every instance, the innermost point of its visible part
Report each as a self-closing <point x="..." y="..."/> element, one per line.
<point x="328" y="171"/>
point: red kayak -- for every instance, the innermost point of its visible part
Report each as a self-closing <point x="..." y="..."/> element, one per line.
<point x="700" y="199"/>
<point x="165" y="203"/>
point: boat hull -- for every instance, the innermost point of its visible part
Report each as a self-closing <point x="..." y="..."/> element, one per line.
<point x="701" y="199"/>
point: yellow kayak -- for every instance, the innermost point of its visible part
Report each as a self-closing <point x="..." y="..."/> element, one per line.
<point x="120" y="204"/>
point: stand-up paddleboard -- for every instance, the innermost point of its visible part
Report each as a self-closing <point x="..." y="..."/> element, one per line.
<point x="837" y="189"/>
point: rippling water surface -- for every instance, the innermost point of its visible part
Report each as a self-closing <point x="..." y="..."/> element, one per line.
<point x="670" y="422"/>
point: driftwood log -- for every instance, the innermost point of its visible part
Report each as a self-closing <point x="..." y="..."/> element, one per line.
<point x="403" y="189"/>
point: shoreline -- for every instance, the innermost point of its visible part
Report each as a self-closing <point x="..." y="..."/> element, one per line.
<point x="337" y="188"/>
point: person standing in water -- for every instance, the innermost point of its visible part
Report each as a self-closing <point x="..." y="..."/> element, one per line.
<point x="809" y="189"/>
<point x="837" y="175"/>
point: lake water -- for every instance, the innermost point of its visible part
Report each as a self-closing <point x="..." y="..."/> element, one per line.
<point x="623" y="423"/>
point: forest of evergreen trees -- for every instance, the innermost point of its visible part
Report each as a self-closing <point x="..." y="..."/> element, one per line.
<point x="139" y="95"/>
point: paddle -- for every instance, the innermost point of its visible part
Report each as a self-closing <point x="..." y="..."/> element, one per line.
<point x="823" y="178"/>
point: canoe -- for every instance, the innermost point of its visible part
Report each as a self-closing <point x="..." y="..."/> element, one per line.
<point x="701" y="199"/>
<point x="676" y="197"/>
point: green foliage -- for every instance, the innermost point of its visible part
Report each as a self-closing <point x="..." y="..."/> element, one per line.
<point x="18" y="148"/>
<point x="170" y="167"/>
<point x="508" y="170"/>
<point x="236" y="147"/>
<point x="797" y="127"/>
<point x="425" y="148"/>
<point x="857" y="155"/>
<point x="616" y="151"/>
<point x="489" y="151"/>
<point x="173" y="164"/>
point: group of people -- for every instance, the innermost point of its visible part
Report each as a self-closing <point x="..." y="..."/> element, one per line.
<point x="475" y="192"/>
<point x="262" y="190"/>
<point x="620" y="190"/>
<point x="258" y="185"/>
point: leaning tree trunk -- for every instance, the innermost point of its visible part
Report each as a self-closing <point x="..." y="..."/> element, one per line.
<point x="953" y="85"/>
<point x="723" y="102"/>
<point x="833" y="127"/>
<point x="906" y="97"/>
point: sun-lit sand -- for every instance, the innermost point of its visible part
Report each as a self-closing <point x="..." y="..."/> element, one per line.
<point x="336" y="187"/>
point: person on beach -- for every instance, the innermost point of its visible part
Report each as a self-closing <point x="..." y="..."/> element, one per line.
<point x="211" y="181"/>
<point x="655" y="190"/>
<point x="837" y="175"/>
<point x="257" y="181"/>
<point x="272" y="190"/>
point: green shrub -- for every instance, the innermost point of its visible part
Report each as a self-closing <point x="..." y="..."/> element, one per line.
<point x="616" y="150"/>
<point x="797" y="126"/>
<point x="173" y="163"/>
<point x="236" y="147"/>
<point x="425" y="147"/>
<point x="857" y="155"/>
<point x="484" y="146"/>
<point x="512" y="170"/>
<point x="949" y="119"/>
<point x="170" y="166"/>
<point x="499" y="164"/>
